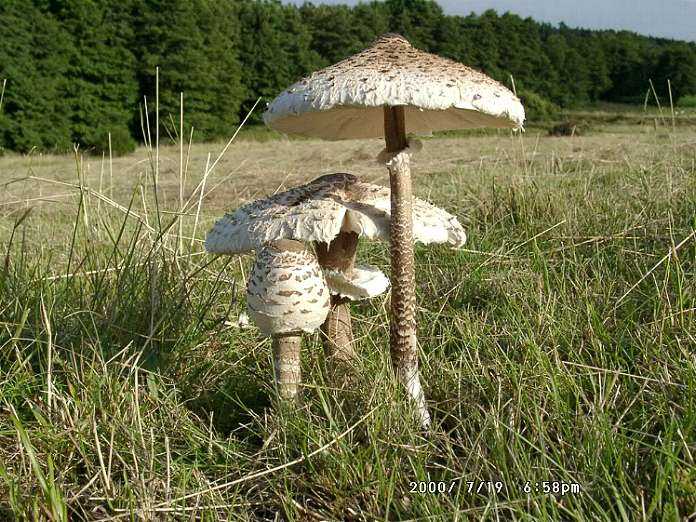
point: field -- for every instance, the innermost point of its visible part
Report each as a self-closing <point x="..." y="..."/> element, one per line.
<point x="557" y="348"/>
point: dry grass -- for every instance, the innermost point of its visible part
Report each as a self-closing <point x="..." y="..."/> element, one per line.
<point x="252" y="169"/>
<point x="558" y="346"/>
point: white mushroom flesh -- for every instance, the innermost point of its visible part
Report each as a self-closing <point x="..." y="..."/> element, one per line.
<point x="364" y="282"/>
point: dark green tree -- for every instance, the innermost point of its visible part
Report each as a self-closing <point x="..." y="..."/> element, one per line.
<point x="332" y="31"/>
<point x="194" y="43"/>
<point x="417" y="20"/>
<point x="275" y="48"/>
<point x="570" y="75"/>
<point x="485" y="53"/>
<point x="77" y="70"/>
<point x="589" y="47"/>
<point x="454" y="40"/>
<point x="630" y="59"/>
<point x="102" y="88"/>
<point x="676" y="63"/>
<point x="369" y="21"/>
<point x="521" y="54"/>
<point x="34" y="52"/>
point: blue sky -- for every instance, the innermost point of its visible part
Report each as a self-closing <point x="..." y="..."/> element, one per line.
<point x="666" y="18"/>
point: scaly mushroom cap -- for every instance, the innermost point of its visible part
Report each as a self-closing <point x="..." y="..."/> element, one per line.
<point x="363" y="282"/>
<point x="321" y="209"/>
<point x="287" y="292"/>
<point x="346" y="100"/>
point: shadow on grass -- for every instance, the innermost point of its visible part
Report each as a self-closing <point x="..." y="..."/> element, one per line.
<point x="233" y="408"/>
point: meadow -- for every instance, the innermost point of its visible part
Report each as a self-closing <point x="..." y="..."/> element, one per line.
<point x="557" y="347"/>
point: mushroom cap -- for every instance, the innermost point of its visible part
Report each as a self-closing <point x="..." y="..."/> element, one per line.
<point x="287" y="291"/>
<point x="364" y="282"/>
<point x="346" y="100"/>
<point x="320" y="210"/>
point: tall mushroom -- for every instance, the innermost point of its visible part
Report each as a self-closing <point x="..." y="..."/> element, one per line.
<point x="287" y="295"/>
<point x="324" y="211"/>
<point x="388" y="90"/>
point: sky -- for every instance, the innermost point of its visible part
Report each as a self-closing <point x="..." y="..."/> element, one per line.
<point x="664" y="18"/>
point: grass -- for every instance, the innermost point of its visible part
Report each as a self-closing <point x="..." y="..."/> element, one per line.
<point x="687" y="102"/>
<point x="557" y="347"/>
<point x="651" y="114"/>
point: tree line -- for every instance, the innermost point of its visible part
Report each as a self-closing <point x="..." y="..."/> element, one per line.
<point x="79" y="71"/>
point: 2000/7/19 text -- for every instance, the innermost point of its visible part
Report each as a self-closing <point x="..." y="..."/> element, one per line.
<point x="424" y="486"/>
<point x="482" y="487"/>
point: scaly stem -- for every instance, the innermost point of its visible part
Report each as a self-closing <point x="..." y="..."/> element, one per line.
<point x="402" y="331"/>
<point x="286" y="365"/>
<point x="338" y="331"/>
<point x="339" y="255"/>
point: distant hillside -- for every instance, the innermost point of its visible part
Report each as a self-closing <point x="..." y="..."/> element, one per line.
<point x="78" y="70"/>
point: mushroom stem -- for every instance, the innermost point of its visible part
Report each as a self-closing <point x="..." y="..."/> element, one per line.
<point x="338" y="255"/>
<point x="286" y="365"/>
<point x="402" y="332"/>
<point x="338" y="328"/>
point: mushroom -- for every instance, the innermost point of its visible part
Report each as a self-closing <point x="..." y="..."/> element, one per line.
<point x="387" y="90"/>
<point x="287" y="295"/>
<point x="333" y="211"/>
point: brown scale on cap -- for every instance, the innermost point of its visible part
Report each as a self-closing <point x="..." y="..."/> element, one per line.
<point x="323" y="208"/>
<point x="344" y="100"/>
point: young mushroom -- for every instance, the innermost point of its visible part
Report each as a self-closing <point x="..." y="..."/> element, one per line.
<point x="333" y="211"/>
<point x="287" y="295"/>
<point x="348" y="282"/>
<point x="388" y="90"/>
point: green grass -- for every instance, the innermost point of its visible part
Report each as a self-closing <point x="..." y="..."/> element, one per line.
<point x="687" y="102"/>
<point x="558" y="346"/>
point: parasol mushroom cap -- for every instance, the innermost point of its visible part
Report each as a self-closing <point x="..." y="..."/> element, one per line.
<point x="320" y="210"/>
<point x="363" y="282"/>
<point x="346" y="100"/>
<point x="287" y="291"/>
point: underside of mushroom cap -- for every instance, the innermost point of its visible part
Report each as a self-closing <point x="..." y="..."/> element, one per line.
<point x="346" y="100"/>
<point x="320" y="210"/>
<point x="287" y="291"/>
<point x="364" y="282"/>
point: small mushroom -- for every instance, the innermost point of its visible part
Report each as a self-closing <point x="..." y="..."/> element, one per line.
<point x="333" y="211"/>
<point x="388" y="90"/>
<point x="364" y="282"/>
<point x="361" y="282"/>
<point x="287" y="295"/>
